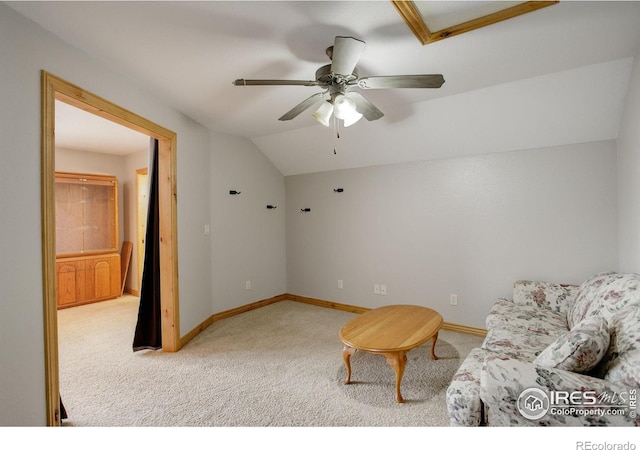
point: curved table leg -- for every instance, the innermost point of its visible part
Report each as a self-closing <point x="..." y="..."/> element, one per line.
<point x="346" y="356"/>
<point x="397" y="360"/>
<point x="433" y="346"/>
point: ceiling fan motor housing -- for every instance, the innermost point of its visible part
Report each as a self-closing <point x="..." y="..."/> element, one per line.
<point x="325" y="77"/>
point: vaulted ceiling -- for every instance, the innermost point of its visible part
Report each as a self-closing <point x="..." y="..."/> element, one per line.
<point x="554" y="76"/>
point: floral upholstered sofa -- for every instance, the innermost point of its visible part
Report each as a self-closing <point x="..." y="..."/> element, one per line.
<point x="555" y="355"/>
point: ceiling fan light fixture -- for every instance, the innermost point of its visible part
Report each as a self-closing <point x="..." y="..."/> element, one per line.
<point x="352" y="118"/>
<point x="344" y="107"/>
<point x="323" y="113"/>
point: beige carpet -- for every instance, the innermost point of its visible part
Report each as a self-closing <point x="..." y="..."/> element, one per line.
<point x="280" y="365"/>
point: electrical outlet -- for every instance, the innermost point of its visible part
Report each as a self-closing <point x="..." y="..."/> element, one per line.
<point x="453" y="299"/>
<point x="376" y="289"/>
<point x="247" y="285"/>
<point x="340" y="284"/>
<point x="383" y="289"/>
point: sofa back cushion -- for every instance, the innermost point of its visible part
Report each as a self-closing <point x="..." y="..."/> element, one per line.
<point x="557" y="297"/>
<point x="621" y="364"/>
<point x="604" y="294"/>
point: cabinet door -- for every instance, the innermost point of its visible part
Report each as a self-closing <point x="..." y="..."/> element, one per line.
<point x="69" y="218"/>
<point x="100" y="217"/>
<point x="115" y="276"/>
<point x="103" y="280"/>
<point x="82" y="293"/>
<point x="66" y="278"/>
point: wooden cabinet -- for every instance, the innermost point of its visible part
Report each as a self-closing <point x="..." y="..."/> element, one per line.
<point x="87" y="279"/>
<point x="87" y="262"/>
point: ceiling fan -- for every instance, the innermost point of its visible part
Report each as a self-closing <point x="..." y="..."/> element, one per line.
<point x="339" y="80"/>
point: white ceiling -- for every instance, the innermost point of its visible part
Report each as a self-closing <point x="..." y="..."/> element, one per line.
<point x="555" y="76"/>
<point x="83" y="131"/>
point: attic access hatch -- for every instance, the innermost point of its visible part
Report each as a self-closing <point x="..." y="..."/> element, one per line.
<point x="451" y="18"/>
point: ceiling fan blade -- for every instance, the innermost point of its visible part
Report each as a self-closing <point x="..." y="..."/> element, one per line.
<point x="309" y="102"/>
<point x="243" y="82"/>
<point x="401" y="81"/>
<point x="345" y="56"/>
<point x="364" y="106"/>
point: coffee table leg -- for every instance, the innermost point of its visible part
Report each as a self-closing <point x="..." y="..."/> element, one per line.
<point x="397" y="360"/>
<point x="346" y="356"/>
<point x="433" y="346"/>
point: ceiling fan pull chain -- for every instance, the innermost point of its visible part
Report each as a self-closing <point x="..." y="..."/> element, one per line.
<point x="336" y="126"/>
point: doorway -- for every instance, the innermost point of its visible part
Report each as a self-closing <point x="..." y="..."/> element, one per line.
<point x="52" y="89"/>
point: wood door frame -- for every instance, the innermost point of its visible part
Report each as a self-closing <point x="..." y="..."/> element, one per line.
<point x="54" y="88"/>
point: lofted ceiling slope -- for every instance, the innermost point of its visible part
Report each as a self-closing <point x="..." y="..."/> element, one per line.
<point x="555" y="76"/>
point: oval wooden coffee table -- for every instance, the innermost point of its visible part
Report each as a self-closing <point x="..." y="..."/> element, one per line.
<point x="390" y="331"/>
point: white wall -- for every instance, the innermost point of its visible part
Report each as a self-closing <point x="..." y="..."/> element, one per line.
<point x="26" y="49"/>
<point x="470" y="226"/>
<point x="248" y="240"/>
<point x="629" y="176"/>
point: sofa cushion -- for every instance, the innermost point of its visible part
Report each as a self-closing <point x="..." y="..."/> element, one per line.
<point x="605" y="294"/>
<point x="558" y="297"/>
<point x="507" y="315"/>
<point x="519" y="343"/>
<point x="579" y="349"/>
<point x="621" y="364"/>
<point x="586" y="296"/>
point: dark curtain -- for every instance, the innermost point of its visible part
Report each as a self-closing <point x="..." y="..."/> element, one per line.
<point x="148" y="334"/>
<point x="63" y="411"/>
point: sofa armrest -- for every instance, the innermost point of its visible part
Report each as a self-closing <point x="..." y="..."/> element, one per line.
<point x="557" y="297"/>
<point x="571" y="399"/>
